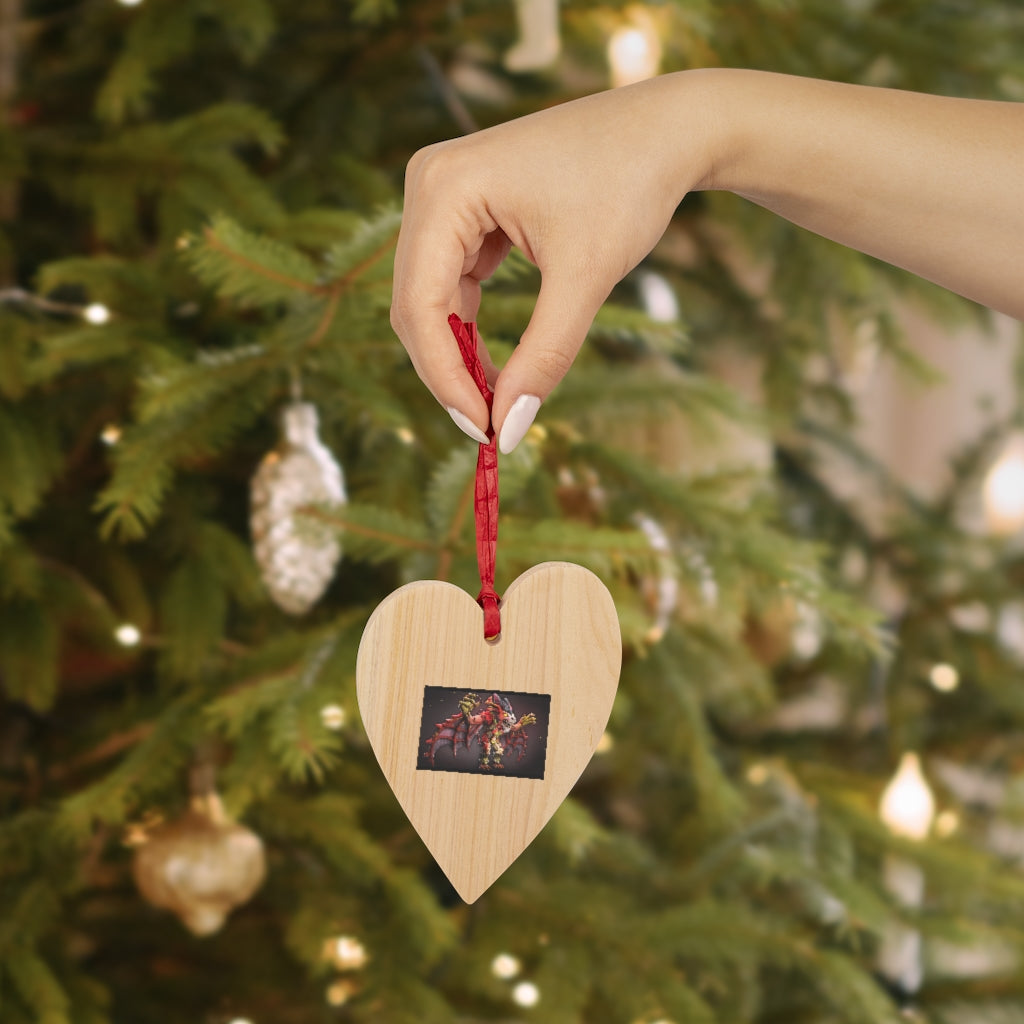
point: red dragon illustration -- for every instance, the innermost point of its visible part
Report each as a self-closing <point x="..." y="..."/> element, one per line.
<point x="488" y="721"/>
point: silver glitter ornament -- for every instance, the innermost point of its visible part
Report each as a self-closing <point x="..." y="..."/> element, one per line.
<point x="296" y="555"/>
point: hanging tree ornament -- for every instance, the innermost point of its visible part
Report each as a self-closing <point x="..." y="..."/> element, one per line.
<point x="200" y="866"/>
<point x="296" y="555"/>
<point x="527" y="690"/>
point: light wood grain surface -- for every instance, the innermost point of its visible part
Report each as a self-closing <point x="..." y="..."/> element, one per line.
<point x="560" y="636"/>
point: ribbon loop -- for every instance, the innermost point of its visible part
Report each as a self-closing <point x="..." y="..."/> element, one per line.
<point x="485" y="491"/>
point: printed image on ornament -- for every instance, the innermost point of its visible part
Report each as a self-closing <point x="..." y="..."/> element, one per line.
<point x="489" y="734"/>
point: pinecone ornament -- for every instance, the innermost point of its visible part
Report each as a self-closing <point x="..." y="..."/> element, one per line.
<point x="296" y="555"/>
<point x="200" y="866"/>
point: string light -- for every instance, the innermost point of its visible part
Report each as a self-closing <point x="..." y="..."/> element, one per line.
<point x="332" y="716"/>
<point x="127" y="635"/>
<point x="505" y="966"/>
<point x="947" y="823"/>
<point x="757" y="774"/>
<point x="1003" y="490"/>
<point x="907" y="808"/>
<point x="907" y="805"/>
<point x="346" y="952"/>
<point x="129" y="3"/>
<point x="634" y="51"/>
<point x="605" y="743"/>
<point x="96" y="313"/>
<point x="944" y="678"/>
<point x="526" y="994"/>
<point x="110" y="434"/>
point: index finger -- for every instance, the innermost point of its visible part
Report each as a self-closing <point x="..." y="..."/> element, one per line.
<point x="430" y="263"/>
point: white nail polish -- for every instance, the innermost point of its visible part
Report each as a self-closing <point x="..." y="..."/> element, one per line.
<point x="467" y="426"/>
<point x="517" y="422"/>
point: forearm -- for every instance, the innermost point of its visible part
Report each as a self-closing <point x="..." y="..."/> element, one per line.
<point x="932" y="184"/>
<point x="586" y="189"/>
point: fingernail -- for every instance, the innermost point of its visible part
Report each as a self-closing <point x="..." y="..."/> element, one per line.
<point x="467" y="426"/>
<point x="517" y="422"/>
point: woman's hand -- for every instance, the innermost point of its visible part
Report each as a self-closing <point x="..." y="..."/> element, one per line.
<point x="584" y="189"/>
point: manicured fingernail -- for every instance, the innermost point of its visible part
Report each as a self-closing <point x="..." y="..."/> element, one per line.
<point x="467" y="426"/>
<point x="517" y="422"/>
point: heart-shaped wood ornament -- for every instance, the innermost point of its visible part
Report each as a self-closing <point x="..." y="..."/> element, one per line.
<point x="482" y="740"/>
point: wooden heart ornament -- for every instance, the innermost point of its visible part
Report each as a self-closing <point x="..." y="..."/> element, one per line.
<point x="482" y="740"/>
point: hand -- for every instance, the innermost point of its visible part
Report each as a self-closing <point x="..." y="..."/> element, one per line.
<point x="528" y="719"/>
<point x="584" y="189"/>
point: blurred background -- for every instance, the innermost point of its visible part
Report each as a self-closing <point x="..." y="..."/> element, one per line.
<point x="800" y="472"/>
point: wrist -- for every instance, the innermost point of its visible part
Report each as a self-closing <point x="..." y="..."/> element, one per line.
<point x="721" y="99"/>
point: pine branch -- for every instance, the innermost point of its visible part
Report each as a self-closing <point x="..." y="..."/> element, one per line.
<point x="148" y="453"/>
<point x="253" y="270"/>
<point x="38" y="987"/>
<point x="373" y="534"/>
<point x="29" y="457"/>
<point x="29" y="646"/>
<point x="148" y="768"/>
<point x="353" y="258"/>
<point x="450" y="488"/>
<point x="193" y="614"/>
<point x="606" y="552"/>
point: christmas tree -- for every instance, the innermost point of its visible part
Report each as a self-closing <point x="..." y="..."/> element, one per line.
<point x="216" y="460"/>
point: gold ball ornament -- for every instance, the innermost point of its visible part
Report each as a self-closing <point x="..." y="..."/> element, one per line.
<point x="200" y="866"/>
<point x="296" y="555"/>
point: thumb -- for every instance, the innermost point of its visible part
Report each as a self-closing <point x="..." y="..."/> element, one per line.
<point x="561" y="318"/>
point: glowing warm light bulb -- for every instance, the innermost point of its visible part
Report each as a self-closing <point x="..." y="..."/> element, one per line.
<point x="634" y="53"/>
<point x="505" y="966"/>
<point x="757" y="774"/>
<point x="332" y="716"/>
<point x="96" y="313"/>
<point x="1003" y="490"/>
<point x="129" y="3"/>
<point x="526" y="994"/>
<point x="127" y="635"/>
<point x="944" y="678"/>
<point x="347" y="953"/>
<point x="110" y="434"/>
<point x="947" y="823"/>
<point x="907" y="805"/>
<point x="605" y="743"/>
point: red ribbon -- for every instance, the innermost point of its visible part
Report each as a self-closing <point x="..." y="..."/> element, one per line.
<point x="485" y="492"/>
